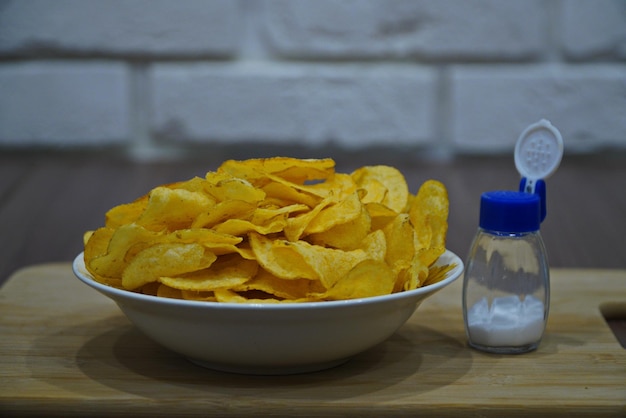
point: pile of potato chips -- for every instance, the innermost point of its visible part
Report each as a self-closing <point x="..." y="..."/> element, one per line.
<point x="275" y="230"/>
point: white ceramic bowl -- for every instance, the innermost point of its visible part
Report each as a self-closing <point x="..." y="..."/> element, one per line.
<point x="270" y="338"/>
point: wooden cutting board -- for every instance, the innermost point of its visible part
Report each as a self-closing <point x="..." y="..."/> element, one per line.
<point x="67" y="350"/>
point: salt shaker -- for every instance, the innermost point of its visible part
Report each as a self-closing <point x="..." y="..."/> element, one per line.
<point x="506" y="285"/>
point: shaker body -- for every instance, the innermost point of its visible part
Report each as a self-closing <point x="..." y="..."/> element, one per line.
<point x="506" y="291"/>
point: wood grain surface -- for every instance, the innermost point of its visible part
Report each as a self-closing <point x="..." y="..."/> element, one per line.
<point x="66" y="350"/>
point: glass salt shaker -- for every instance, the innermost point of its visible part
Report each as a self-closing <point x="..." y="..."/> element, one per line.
<point x="506" y="285"/>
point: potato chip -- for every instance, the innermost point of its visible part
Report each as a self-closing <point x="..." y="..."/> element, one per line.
<point x="198" y="296"/>
<point x="437" y="274"/>
<point x="384" y="184"/>
<point x="400" y="238"/>
<point x="339" y="186"/>
<point x="296" y="289"/>
<point x="224" y="273"/>
<point x="380" y="215"/>
<point x="280" y="258"/>
<point x="151" y="288"/>
<point x="345" y="236"/>
<point x="345" y="210"/>
<point x="318" y="263"/>
<point x="195" y="184"/>
<point x="223" y="211"/>
<point x="125" y="213"/>
<point x="210" y="238"/>
<point x="113" y="263"/>
<point x="300" y="171"/>
<point x="287" y="192"/>
<point x="165" y="259"/>
<point x="368" y="278"/>
<point x="229" y="296"/>
<point x="96" y="243"/>
<point x="291" y="169"/>
<point x="412" y="277"/>
<point x="429" y="216"/>
<point x="164" y="291"/>
<point x="264" y="214"/>
<point x="225" y="188"/>
<point x="375" y="246"/>
<point x="294" y="230"/>
<point x="274" y="230"/>
<point x="286" y="178"/>
<point x="173" y="209"/>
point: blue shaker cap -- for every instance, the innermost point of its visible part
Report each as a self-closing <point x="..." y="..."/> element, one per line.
<point x="508" y="211"/>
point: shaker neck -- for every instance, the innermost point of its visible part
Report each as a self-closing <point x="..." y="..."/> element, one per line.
<point x="505" y="234"/>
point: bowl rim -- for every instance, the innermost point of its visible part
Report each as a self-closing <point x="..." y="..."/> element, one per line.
<point x="448" y="257"/>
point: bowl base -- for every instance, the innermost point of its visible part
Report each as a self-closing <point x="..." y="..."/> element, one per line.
<point x="269" y="370"/>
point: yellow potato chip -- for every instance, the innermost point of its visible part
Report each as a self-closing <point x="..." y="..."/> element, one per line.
<point x="437" y="274"/>
<point x="229" y="209"/>
<point x="412" y="277"/>
<point x="380" y="215"/>
<point x="296" y="289"/>
<point x="294" y="230"/>
<point x="210" y="238"/>
<point x="151" y="288"/>
<point x="217" y="242"/>
<point x="375" y="246"/>
<point x="340" y="212"/>
<point x="300" y="171"/>
<point x="241" y="227"/>
<point x="400" y="238"/>
<point x="165" y="259"/>
<point x="374" y="190"/>
<point x="280" y="258"/>
<point x="125" y="213"/>
<point x="164" y="291"/>
<point x="345" y="236"/>
<point x="113" y="263"/>
<point x="225" y="273"/>
<point x="195" y="184"/>
<point x="386" y="184"/>
<point x="206" y="280"/>
<point x="96" y="243"/>
<point x="368" y="278"/>
<point x="171" y="209"/>
<point x="429" y="216"/>
<point x="274" y="230"/>
<point x="291" y="169"/>
<point x="290" y="180"/>
<point x="199" y="296"/>
<point x="287" y="192"/>
<point x="225" y="188"/>
<point x="265" y="220"/>
<point x="338" y="185"/>
<point x="299" y="259"/>
<point x="229" y="296"/>
<point x="264" y="215"/>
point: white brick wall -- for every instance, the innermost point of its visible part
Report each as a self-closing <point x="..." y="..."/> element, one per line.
<point x="158" y="28"/>
<point x="156" y="76"/>
<point x="586" y="103"/>
<point x="594" y="29"/>
<point x="63" y="103"/>
<point x="350" y="105"/>
<point x="442" y="29"/>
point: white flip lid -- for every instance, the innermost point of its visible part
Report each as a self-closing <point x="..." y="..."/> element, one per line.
<point x="538" y="151"/>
